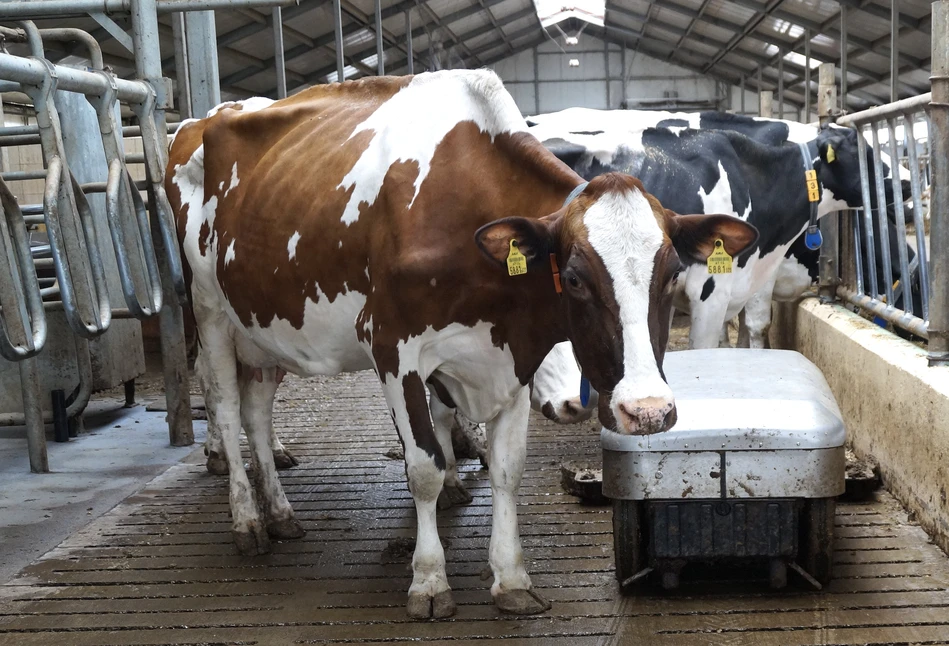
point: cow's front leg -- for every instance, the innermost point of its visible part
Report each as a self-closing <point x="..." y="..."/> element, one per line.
<point x="453" y="492"/>
<point x="507" y="453"/>
<point x="429" y="594"/>
<point x="754" y="321"/>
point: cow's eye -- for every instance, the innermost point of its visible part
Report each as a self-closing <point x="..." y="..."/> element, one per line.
<point x="574" y="281"/>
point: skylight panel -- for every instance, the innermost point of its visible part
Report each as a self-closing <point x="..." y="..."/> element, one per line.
<point x="551" y="12"/>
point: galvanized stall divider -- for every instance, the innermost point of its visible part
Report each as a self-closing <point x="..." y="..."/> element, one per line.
<point x="903" y="299"/>
<point x="147" y="252"/>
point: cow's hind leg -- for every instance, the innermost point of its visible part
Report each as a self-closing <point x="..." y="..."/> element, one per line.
<point x="213" y="444"/>
<point x="282" y="458"/>
<point x="258" y="388"/>
<point x="453" y="492"/>
<point x="222" y="398"/>
<point x="429" y="594"/>
<point x="507" y="453"/>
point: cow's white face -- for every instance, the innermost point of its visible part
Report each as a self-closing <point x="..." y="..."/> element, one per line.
<point x="626" y="235"/>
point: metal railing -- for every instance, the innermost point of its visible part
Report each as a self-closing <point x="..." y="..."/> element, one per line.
<point x="882" y="272"/>
<point x="904" y="280"/>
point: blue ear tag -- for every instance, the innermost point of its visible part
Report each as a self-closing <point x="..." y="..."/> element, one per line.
<point x="584" y="391"/>
<point x="813" y="239"/>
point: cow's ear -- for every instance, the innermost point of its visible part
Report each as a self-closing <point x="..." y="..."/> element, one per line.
<point x="694" y="236"/>
<point x="829" y="148"/>
<point x="531" y="238"/>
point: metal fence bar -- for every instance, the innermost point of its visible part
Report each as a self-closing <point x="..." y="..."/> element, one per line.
<point x="20" y="9"/>
<point x="338" y="28"/>
<point x="380" y="54"/>
<point x="922" y="254"/>
<point x="279" y="59"/>
<point x="23" y="333"/>
<point x="410" y="59"/>
<point x="906" y="277"/>
<point x="171" y="321"/>
<point x="881" y="216"/>
<point x="829" y="263"/>
<point x="939" y="209"/>
<point x="867" y="216"/>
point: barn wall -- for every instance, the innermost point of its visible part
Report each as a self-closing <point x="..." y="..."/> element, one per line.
<point x="540" y="80"/>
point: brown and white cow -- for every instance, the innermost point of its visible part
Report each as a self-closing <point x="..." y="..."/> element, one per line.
<point x="368" y="225"/>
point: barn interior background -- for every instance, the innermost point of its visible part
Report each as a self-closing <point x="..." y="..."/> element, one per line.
<point x="87" y="323"/>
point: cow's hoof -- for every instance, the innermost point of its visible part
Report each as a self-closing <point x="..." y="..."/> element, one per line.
<point x="452" y="495"/>
<point x="286" y="528"/>
<point x="284" y="459"/>
<point x="252" y="542"/>
<point x="521" y="602"/>
<point x="217" y="464"/>
<point x="422" y="606"/>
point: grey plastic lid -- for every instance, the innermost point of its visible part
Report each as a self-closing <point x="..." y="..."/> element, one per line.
<point x="739" y="399"/>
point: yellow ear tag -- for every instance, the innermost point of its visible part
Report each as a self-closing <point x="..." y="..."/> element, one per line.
<point x="831" y="155"/>
<point x="516" y="262"/>
<point x="813" y="189"/>
<point x="719" y="262"/>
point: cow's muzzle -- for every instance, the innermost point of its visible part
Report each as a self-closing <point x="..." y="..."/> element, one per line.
<point x="646" y="416"/>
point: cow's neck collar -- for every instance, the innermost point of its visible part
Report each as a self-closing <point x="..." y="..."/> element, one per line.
<point x="554" y="267"/>
<point x="812" y="238"/>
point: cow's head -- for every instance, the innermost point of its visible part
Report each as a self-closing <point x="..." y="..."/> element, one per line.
<point x="619" y="253"/>
<point x="555" y="388"/>
<point x="839" y="168"/>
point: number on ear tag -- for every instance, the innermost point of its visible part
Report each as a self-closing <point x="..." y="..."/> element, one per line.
<point x="813" y="189"/>
<point x="719" y="262"/>
<point x="516" y="262"/>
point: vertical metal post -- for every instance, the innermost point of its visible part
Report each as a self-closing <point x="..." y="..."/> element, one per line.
<point x="741" y="89"/>
<point x="606" y="70"/>
<point x="894" y="50"/>
<point x="844" y="10"/>
<point x="939" y="213"/>
<point x="408" y="41"/>
<point x="807" y="76"/>
<point x="281" y="64"/>
<point x="536" y="82"/>
<point x="338" y="28"/>
<point x="766" y="103"/>
<point x="781" y="85"/>
<point x="171" y="322"/>
<point x="380" y="58"/>
<point x="624" y="76"/>
<point x="181" y="65"/>
<point x="33" y="414"/>
<point x="203" y="73"/>
<point x="829" y="225"/>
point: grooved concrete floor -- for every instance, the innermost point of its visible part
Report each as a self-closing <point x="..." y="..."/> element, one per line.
<point x="160" y="568"/>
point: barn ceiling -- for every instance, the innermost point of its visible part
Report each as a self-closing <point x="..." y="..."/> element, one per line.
<point x="758" y="41"/>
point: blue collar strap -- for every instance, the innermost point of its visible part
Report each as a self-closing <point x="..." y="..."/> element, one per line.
<point x="812" y="238"/>
<point x="574" y="193"/>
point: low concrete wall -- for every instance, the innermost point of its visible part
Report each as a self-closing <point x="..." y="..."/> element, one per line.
<point x="895" y="406"/>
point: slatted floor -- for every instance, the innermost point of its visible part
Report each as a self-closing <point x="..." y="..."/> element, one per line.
<point x="160" y="568"/>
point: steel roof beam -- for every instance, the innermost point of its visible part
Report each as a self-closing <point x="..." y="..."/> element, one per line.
<point x="317" y="75"/>
<point x="859" y="70"/>
<point x="762" y="13"/>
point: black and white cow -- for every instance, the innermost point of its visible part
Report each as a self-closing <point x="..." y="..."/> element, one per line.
<point x="750" y="167"/>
